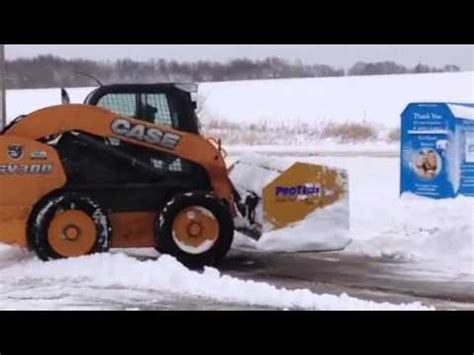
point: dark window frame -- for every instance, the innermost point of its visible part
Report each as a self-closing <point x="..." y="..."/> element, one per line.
<point x="179" y="101"/>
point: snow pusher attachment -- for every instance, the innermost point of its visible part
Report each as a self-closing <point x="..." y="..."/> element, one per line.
<point x="299" y="206"/>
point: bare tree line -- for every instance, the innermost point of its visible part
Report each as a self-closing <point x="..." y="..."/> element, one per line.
<point x="51" y="71"/>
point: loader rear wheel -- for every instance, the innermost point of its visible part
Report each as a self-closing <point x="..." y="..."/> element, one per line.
<point x="197" y="228"/>
<point x="66" y="225"/>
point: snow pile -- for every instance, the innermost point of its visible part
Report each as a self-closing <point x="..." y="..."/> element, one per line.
<point x="168" y="275"/>
<point x="254" y="171"/>
<point x="324" y="229"/>
<point x="408" y="228"/>
<point x="382" y="224"/>
<point x="423" y="230"/>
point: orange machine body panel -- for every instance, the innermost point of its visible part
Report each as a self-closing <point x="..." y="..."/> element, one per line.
<point x="133" y="229"/>
<point x="28" y="171"/>
<point x="95" y="120"/>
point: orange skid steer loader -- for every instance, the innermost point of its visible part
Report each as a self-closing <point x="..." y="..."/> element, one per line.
<point x="128" y="168"/>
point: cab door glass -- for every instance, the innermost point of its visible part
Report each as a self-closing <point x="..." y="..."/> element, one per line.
<point x="156" y="109"/>
<point x="121" y="104"/>
<point x="152" y="108"/>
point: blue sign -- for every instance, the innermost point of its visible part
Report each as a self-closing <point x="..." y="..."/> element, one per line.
<point x="437" y="150"/>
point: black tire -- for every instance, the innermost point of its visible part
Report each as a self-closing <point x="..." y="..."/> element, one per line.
<point x="47" y="208"/>
<point x="165" y="243"/>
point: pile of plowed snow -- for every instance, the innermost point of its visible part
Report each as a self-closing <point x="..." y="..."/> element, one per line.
<point x="382" y="224"/>
<point x="252" y="172"/>
<point x="164" y="275"/>
<point x="422" y="229"/>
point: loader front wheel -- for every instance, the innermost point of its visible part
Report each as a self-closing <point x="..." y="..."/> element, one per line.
<point x="66" y="225"/>
<point x="197" y="228"/>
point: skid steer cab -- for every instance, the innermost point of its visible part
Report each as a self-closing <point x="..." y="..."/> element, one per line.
<point x="126" y="169"/>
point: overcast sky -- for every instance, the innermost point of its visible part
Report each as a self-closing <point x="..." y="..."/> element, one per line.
<point x="341" y="56"/>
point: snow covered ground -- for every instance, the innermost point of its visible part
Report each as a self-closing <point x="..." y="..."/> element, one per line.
<point x="300" y="106"/>
<point x="325" y="147"/>
<point x="163" y="278"/>
<point x="436" y="236"/>
<point x="376" y="99"/>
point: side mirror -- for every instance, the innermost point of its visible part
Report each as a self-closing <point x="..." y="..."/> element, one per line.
<point x="65" y="97"/>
